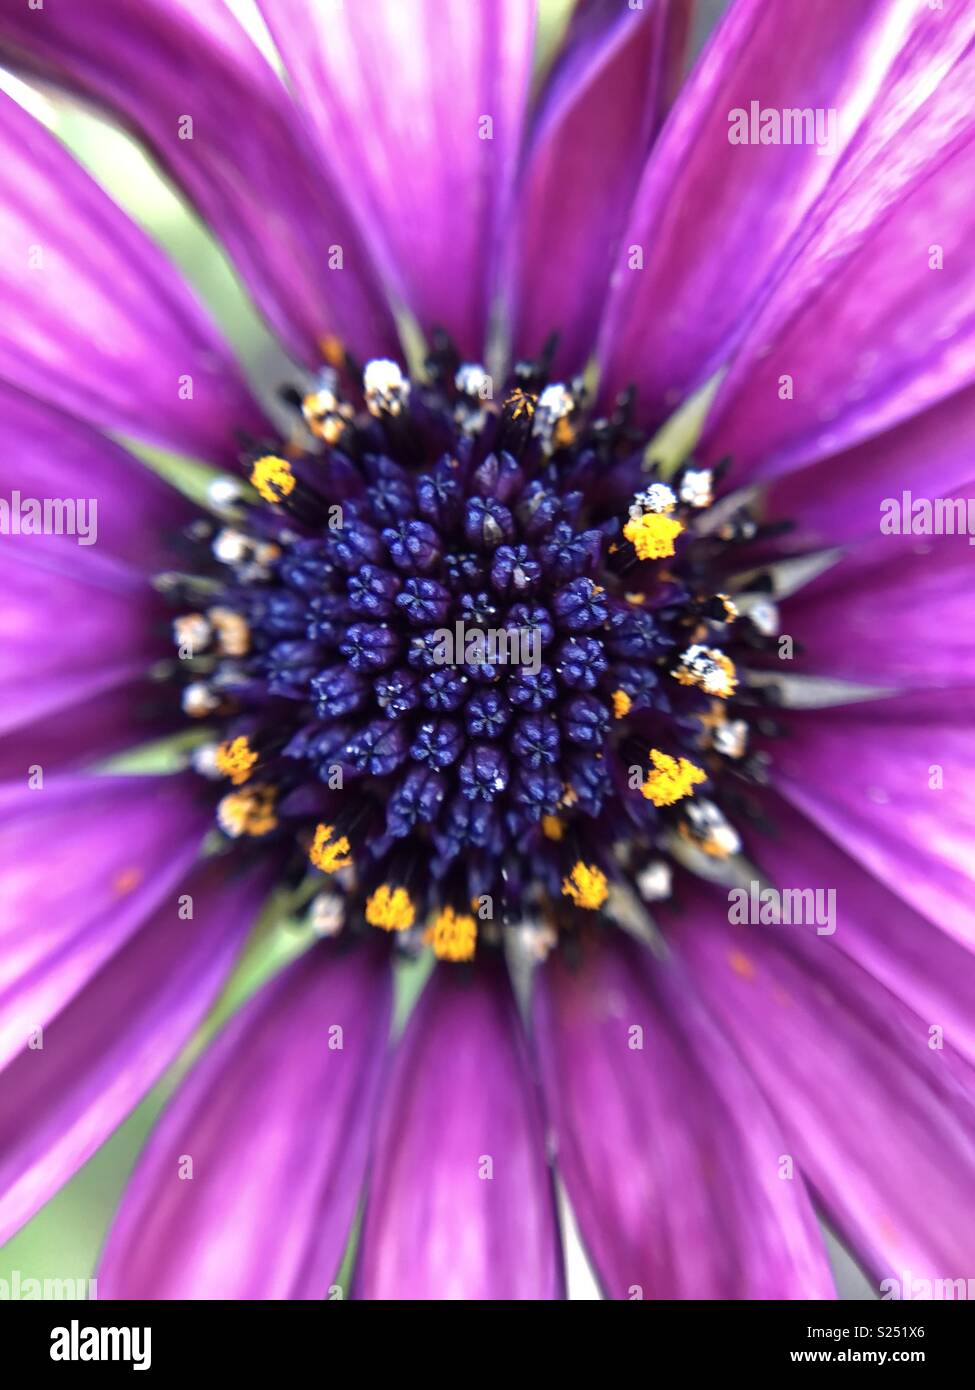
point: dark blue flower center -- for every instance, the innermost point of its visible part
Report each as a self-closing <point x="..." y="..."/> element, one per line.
<point x="464" y="652"/>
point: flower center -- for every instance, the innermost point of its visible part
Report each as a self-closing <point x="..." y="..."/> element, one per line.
<point x="464" y="656"/>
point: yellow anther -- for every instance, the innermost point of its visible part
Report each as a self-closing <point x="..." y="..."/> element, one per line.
<point x="521" y="403"/>
<point x="709" y="669"/>
<point x="332" y="350"/>
<point x="638" y="599"/>
<point x="453" y="936"/>
<point x="249" y="812"/>
<point x="563" y="435"/>
<point x="235" y="760"/>
<point x="191" y="632"/>
<point x="327" y="854"/>
<point x="622" y="704"/>
<point x="233" y="634"/>
<point x="652" y="535"/>
<point x="552" y="828"/>
<point x="586" y="885"/>
<point x="715" y="718"/>
<point x="390" y="908"/>
<point x="273" y="478"/>
<point x="325" y="415"/>
<point x="671" y="780"/>
<point x="324" y="424"/>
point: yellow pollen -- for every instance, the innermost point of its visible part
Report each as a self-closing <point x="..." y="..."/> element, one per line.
<point x="327" y="854"/>
<point x="552" y="828"/>
<point x="741" y="965"/>
<point x="563" y="434"/>
<point x="638" y="599"/>
<point x="586" y="886"/>
<point x="390" y="908"/>
<point x="622" y="704"/>
<point x="191" y="630"/>
<point x="273" y="478"/>
<point x="521" y="403"/>
<point x="671" y="780"/>
<point x="325" y="415"/>
<point x="721" y="679"/>
<point x="249" y="812"/>
<point x="233" y="634"/>
<point x="653" y="534"/>
<point x="126" y="881"/>
<point x="325" y="425"/>
<point x="332" y="350"/>
<point x="453" y="936"/>
<point x="235" y="760"/>
<point x="716" y="718"/>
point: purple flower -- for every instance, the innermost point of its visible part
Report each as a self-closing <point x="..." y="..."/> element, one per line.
<point x="679" y="352"/>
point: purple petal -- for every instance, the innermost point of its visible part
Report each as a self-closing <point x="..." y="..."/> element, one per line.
<point x="925" y="967"/>
<point x="81" y="690"/>
<point x="877" y="616"/>
<point x="897" y="794"/>
<point x="400" y="94"/>
<point x="460" y="1203"/>
<point x="598" y="116"/>
<point x="276" y="1120"/>
<point x="869" y="331"/>
<point x="97" y="321"/>
<point x="77" y="735"/>
<point x="46" y="454"/>
<point x="838" y="499"/>
<point x="68" y="634"/>
<point x="248" y="167"/>
<point x="668" y="1151"/>
<point x="111" y="1043"/>
<point x="873" y="1114"/>
<point x="83" y="863"/>
<point x="720" y="223"/>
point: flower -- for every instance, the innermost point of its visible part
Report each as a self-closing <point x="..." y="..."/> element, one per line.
<point x="728" y="675"/>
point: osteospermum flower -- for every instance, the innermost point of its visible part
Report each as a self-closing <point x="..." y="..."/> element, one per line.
<point x="666" y="382"/>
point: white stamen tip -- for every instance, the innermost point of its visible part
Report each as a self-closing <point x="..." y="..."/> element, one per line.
<point x="327" y="915"/>
<point x="199" y="700"/>
<point x="654" y="882"/>
<point x="385" y="387"/>
<point x="204" y="761"/>
<point x="710" y="826"/>
<point x="731" y="738"/>
<point x="696" y="488"/>
<point x="224" y="492"/>
<point x="230" y="546"/>
<point x="554" y="404"/>
<point x="658" y="497"/>
<point x="472" y="380"/>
